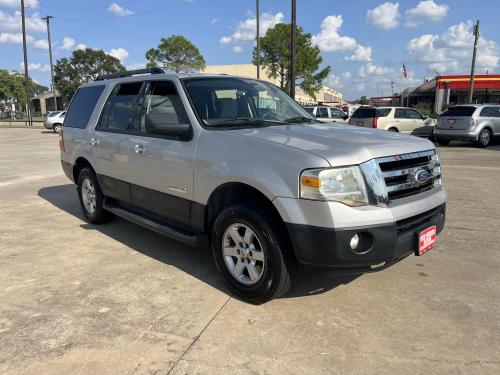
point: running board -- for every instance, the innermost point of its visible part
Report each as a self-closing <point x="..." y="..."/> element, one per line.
<point x="165" y="229"/>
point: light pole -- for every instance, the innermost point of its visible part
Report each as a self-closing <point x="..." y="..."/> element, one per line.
<point x="293" y="49"/>
<point x="47" y="18"/>
<point x="258" y="38"/>
<point x="26" y="73"/>
<point x="475" y="31"/>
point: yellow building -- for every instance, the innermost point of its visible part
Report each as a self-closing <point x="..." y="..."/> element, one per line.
<point x="326" y="95"/>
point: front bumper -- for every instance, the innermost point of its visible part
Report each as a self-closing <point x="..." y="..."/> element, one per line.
<point x="469" y="134"/>
<point x="48" y="125"/>
<point x="329" y="247"/>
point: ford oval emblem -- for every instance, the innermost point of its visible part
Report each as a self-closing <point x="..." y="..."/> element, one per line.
<point x="422" y="176"/>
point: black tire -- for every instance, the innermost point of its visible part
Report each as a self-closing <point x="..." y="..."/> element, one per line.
<point x="57" y="128"/>
<point x="280" y="265"/>
<point x="484" y="138"/>
<point x="443" y="142"/>
<point x="99" y="215"/>
<point x="394" y="130"/>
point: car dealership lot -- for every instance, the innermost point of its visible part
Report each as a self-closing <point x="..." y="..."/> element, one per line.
<point x="121" y="299"/>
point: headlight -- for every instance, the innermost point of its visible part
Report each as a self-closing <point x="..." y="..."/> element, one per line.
<point x="345" y="185"/>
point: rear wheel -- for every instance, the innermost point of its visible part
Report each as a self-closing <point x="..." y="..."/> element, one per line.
<point x="57" y="128"/>
<point x="252" y="254"/>
<point x="484" y="138"/>
<point x="394" y="130"/>
<point x="91" y="197"/>
<point x="443" y="142"/>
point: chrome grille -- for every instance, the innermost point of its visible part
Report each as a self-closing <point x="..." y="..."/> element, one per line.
<point x="401" y="173"/>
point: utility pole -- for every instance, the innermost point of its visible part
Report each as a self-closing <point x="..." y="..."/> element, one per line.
<point x="392" y="88"/>
<point x="47" y="18"/>
<point x="293" y="49"/>
<point x="26" y="74"/>
<point x="258" y="38"/>
<point x="475" y="31"/>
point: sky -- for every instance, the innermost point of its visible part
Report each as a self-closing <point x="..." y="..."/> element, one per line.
<point x="366" y="42"/>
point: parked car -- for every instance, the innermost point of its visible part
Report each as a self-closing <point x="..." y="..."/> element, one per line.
<point x="201" y="159"/>
<point x="328" y="114"/>
<point x="476" y="123"/>
<point x="395" y="119"/>
<point x="54" y="121"/>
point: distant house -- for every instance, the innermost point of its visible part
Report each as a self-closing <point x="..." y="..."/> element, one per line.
<point x="42" y="103"/>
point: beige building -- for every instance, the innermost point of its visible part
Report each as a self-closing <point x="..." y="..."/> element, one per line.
<point x="326" y="95"/>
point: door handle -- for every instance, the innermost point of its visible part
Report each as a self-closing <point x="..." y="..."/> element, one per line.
<point x="94" y="142"/>
<point x="139" y="149"/>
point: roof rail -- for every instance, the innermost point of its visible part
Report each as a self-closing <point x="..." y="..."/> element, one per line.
<point x="130" y="73"/>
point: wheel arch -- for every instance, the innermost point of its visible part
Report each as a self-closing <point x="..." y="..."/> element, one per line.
<point x="79" y="164"/>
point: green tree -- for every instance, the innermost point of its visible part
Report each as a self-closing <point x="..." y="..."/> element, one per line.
<point x="12" y="88"/>
<point x="82" y="67"/>
<point x="176" y="54"/>
<point x="275" y="57"/>
<point x="363" y="100"/>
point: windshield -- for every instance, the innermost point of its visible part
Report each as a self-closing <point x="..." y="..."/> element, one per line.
<point x="240" y="102"/>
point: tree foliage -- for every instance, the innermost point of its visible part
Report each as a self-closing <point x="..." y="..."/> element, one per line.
<point x="176" y="54"/>
<point x="363" y="100"/>
<point x="275" y="57"/>
<point x="82" y="67"/>
<point x="12" y="87"/>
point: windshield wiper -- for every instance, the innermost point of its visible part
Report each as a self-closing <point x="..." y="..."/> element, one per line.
<point x="237" y="121"/>
<point x="298" y="119"/>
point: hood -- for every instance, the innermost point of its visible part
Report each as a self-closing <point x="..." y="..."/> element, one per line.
<point x="340" y="144"/>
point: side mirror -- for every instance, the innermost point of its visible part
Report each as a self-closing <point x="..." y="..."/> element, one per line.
<point x="345" y="117"/>
<point x="425" y="117"/>
<point x="166" y="124"/>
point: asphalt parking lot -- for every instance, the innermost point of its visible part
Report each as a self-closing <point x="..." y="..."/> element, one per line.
<point x="77" y="298"/>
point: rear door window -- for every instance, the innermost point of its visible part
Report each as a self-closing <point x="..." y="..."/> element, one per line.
<point x="383" y="112"/>
<point x="400" y="113"/>
<point x="322" y="112"/>
<point x="121" y="107"/>
<point x="462" y="111"/>
<point x="82" y="106"/>
<point x="310" y="110"/>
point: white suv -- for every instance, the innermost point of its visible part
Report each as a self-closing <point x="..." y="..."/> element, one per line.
<point x="328" y="114"/>
<point x="395" y="119"/>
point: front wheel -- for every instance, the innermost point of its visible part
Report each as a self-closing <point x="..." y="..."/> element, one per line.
<point x="252" y="254"/>
<point x="57" y="128"/>
<point x="484" y="138"/>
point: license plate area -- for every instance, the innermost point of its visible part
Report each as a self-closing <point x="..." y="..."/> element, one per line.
<point x="426" y="240"/>
<point x="360" y="123"/>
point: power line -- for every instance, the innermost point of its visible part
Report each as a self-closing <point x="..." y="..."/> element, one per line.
<point x="119" y="17"/>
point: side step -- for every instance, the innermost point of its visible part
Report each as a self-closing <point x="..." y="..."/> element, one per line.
<point x="178" y="234"/>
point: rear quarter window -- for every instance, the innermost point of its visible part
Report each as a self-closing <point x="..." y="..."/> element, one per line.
<point x="459" y="111"/>
<point x="82" y="106"/>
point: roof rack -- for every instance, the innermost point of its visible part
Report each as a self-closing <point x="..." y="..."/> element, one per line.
<point x="130" y="73"/>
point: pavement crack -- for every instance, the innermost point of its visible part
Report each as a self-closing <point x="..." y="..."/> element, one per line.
<point x="198" y="336"/>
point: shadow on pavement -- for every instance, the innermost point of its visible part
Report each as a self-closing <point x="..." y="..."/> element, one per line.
<point x="493" y="146"/>
<point x="196" y="261"/>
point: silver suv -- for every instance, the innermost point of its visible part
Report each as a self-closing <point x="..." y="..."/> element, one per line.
<point x="477" y="123"/>
<point x="235" y="163"/>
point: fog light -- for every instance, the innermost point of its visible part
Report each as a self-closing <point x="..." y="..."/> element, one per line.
<point x="354" y="242"/>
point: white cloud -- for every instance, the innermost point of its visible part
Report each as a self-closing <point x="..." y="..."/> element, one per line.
<point x="12" y="23"/>
<point x="17" y="38"/>
<point x="426" y="10"/>
<point x="36" y="67"/>
<point x="450" y="52"/>
<point x="370" y="70"/>
<point x="15" y="3"/>
<point x="68" y="43"/>
<point x="338" y="81"/>
<point x="246" y="30"/>
<point x="361" y="53"/>
<point x="136" y="65"/>
<point x="119" y="53"/>
<point x="80" y="46"/>
<point x="119" y="10"/>
<point x="214" y="20"/>
<point x="385" y="16"/>
<point x="238" y="49"/>
<point x="329" y="40"/>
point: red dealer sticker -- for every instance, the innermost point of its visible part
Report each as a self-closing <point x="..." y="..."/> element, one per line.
<point x="427" y="240"/>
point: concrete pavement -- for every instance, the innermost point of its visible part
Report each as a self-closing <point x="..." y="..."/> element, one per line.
<point x="117" y="298"/>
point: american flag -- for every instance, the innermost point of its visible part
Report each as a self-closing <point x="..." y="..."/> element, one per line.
<point x="404" y="72"/>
